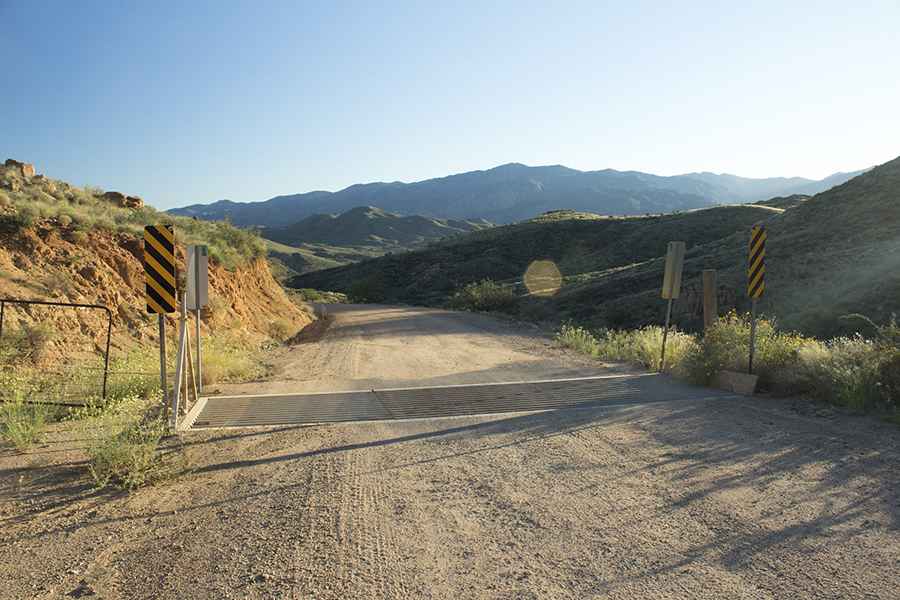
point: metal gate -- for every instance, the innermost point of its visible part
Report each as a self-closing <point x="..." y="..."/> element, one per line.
<point x="60" y="398"/>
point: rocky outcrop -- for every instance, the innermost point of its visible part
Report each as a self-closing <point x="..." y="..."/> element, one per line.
<point x="26" y="169"/>
<point x="117" y="198"/>
<point x="121" y="200"/>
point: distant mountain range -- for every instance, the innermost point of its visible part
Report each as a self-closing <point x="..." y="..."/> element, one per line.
<point x="827" y="256"/>
<point x="370" y="226"/>
<point x="514" y="192"/>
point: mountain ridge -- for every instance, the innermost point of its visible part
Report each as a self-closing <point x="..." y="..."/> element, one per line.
<point x="828" y="255"/>
<point x="515" y="191"/>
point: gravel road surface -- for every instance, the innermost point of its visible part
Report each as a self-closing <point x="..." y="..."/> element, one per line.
<point x="700" y="498"/>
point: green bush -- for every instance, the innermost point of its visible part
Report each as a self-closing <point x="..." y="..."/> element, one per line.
<point x="854" y="372"/>
<point x="485" y="295"/>
<point x="321" y="297"/>
<point x="726" y="346"/>
<point x="844" y="371"/>
<point x="123" y="443"/>
<point x="368" y="290"/>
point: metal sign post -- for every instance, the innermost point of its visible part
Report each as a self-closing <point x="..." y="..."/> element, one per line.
<point x="671" y="288"/>
<point x="159" y="277"/>
<point x="198" y="295"/>
<point x="180" y="361"/>
<point x="756" y="281"/>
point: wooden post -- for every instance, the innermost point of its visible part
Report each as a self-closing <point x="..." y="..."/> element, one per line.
<point x="662" y="359"/>
<point x="710" y="298"/>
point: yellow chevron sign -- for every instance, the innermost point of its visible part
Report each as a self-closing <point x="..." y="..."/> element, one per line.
<point x="756" y="269"/>
<point x="159" y="268"/>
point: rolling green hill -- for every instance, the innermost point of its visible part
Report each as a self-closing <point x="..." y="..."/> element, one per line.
<point x="582" y="245"/>
<point x="325" y="241"/>
<point x="829" y="255"/>
<point x="370" y="226"/>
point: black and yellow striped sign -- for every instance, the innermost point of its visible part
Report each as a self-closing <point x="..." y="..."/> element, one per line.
<point x="159" y="268"/>
<point x="756" y="270"/>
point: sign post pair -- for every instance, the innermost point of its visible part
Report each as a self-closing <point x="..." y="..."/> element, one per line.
<point x="160" y="277"/>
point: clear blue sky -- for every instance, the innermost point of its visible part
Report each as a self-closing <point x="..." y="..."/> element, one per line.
<point x="185" y="102"/>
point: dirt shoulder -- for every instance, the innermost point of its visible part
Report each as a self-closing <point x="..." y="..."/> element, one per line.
<point x="750" y="498"/>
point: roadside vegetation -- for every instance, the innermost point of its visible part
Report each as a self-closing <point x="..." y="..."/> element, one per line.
<point x="125" y="434"/>
<point x="484" y="296"/>
<point x="583" y="246"/>
<point x="321" y="297"/>
<point x="855" y="372"/>
<point x="77" y="211"/>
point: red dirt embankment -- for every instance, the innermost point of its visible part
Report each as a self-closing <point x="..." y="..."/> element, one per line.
<point x="51" y="261"/>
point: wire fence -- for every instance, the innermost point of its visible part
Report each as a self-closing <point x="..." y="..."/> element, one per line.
<point x="77" y="385"/>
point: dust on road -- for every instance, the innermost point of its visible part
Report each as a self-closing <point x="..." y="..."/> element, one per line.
<point x="705" y="498"/>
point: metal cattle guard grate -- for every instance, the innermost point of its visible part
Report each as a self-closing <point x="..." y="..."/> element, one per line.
<point x="447" y="401"/>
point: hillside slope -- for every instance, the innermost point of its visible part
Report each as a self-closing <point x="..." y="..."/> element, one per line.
<point x="582" y="246"/>
<point x="370" y="226"/>
<point x="62" y="243"/>
<point x="514" y="192"/>
<point x="829" y="255"/>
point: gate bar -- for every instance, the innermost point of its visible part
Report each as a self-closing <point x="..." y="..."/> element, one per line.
<point x="3" y="302"/>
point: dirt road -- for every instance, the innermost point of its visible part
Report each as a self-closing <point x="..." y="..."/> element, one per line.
<point x="707" y="498"/>
<point x="389" y="346"/>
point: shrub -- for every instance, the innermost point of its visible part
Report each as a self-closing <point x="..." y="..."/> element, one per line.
<point x="281" y="329"/>
<point x="228" y="360"/>
<point x="321" y="297"/>
<point x="889" y="380"/>
<point x="485" y="295"/>
<point x="124" y="437"/>
<point x="844" y="371"/>
<point x="368" y="290"/>
<point x="21" y="423"/>
<point x="726" y="346"/>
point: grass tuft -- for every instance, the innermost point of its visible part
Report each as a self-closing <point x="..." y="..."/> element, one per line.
<point x="22" y="423"/>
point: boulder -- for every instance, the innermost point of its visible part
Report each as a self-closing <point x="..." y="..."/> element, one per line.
<point x="27" y="169"/>
<point x="117" y="198"/>
<point x="134" y="202"/>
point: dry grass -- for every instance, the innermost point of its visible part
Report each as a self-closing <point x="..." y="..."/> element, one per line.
<point x="853" y="372"/>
